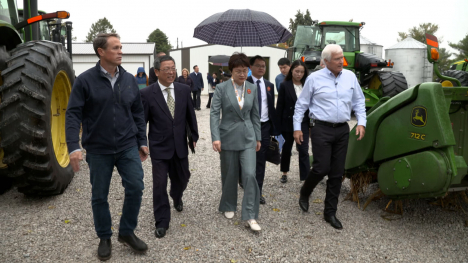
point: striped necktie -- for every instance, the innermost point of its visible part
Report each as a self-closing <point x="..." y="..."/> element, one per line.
<point x="170" y="101"/>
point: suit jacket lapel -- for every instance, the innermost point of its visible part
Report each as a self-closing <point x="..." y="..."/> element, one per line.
<point x="159" y="97"/>
<point x="291" y="90"/>
<point x="178" y="99"/>
<point x="232" y="97"/>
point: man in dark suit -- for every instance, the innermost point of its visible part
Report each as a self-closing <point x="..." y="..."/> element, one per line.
<point x="168" y="109"/>
<point x="266" y="105"/>
<point x="198" y="86"/>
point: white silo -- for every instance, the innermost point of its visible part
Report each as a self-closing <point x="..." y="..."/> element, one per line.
<point x="410" y="58"/>
<point x="367" y="46"/>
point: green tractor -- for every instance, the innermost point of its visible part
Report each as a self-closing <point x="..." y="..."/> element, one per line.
<point x="376" y="83"/>
<point x="459" y="71"/>
<point x="35" y="84"/>
<point x="415" y="141"/>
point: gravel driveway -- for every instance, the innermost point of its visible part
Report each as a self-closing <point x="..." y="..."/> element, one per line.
<point x="60" y="228"/>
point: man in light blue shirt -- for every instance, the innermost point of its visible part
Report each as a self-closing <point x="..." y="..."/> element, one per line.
<point x="330" y="95"/>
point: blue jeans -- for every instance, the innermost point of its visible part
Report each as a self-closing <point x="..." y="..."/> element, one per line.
<point x="101" y="166"/>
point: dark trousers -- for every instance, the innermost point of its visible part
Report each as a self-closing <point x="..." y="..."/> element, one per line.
<point x="329" y="146"/>
<point x="196" y="99"/>
<point x="209" y="100"/>
<point x="304" y="163"/>
<point x="128" y="165"/>
<point x="261" y="155"/>
<point x="178" y="169"/>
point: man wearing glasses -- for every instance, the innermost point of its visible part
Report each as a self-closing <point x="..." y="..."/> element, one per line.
<point x="168" y="109"/>
<point x="266" y="105"/>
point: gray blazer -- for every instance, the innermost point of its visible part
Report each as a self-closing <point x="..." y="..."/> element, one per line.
<point x="239" y="129"/>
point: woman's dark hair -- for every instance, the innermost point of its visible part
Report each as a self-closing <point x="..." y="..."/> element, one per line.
<point x="238" y="60"/>
<point x="294" y="65"/>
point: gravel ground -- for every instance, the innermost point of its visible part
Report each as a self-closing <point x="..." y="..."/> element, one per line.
<point x="60" y="228"/>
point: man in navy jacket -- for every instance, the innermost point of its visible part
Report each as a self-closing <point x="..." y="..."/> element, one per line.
<point x="198" y="86"/>
<point x="105" y="100"/>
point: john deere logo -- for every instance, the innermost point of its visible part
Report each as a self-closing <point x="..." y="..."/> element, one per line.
<point x="419" y="116"/>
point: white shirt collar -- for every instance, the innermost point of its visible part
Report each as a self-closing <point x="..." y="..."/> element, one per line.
<point x="255" y="79"/>
<point x="164" y="87"/>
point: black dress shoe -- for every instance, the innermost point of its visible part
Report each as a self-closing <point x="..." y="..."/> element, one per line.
<point x="304" y="203"/>
<point x="284" y="179"/>
<point x="179" y="207"/>
<point x="104" y="251"/>
<point x="333" y="221"/>
<point x="132" y="241"/>
<point x="262" y="200"/>
<point x="160" y="232"/>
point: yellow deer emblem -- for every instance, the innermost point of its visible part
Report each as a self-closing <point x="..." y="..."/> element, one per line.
<point x="418" y="117"/>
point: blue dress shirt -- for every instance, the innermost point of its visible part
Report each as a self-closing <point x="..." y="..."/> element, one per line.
<point x="331" y="99"/>
<point x="278" y="80"/>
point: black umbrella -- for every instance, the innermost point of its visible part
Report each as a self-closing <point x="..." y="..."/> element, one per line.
<point x="220" y="60"/>
<point x="241" y="28"/>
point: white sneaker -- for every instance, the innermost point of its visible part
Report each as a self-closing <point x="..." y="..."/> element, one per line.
<point x="229" y="215"/>
<point x="254" y="225"/>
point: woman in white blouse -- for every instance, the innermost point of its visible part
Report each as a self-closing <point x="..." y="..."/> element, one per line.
<point x="289" y="91"/>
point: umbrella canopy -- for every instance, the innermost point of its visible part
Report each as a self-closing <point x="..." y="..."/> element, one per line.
<point x="220" y="60"/>
<point x="241" y="28"/>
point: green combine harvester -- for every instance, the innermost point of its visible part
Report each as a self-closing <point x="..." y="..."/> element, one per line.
<point x="415" y="141"/>
<point x="35" y="84"/>
<point x="459" y="71"/>
<point x="375" y="83"/>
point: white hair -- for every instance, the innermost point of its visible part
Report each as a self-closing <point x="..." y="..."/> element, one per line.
<point x="329" y="50"/>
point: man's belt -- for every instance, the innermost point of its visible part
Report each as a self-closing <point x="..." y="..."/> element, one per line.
<point x="329" y="124"/>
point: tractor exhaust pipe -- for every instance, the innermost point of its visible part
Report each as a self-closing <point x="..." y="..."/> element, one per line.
<point x="31" y="32"/>
<point x="69" y="37"/>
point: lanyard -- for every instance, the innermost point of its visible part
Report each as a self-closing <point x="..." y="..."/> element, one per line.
<point x="239" y="98"/>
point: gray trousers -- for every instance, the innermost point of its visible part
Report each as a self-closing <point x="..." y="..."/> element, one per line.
<point x="229" y="177"/>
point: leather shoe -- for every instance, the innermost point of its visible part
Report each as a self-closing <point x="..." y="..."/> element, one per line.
<point x="304" y="203"/>
<point x="179" y="207"/>
<point x="284" y="179"/>
<point x="333" y="221"/>
<point x="160" y="232"/>
<point x="262" y="200"/>
<point x="132" y="241"/>
<point x="104" y="251"/>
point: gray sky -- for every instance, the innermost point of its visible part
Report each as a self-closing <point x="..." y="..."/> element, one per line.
<point x="135" y="20"/>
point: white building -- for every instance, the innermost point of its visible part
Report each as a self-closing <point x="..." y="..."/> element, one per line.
<point x="135" y="55"/>
<point x="198" y="55"/>
<point x="410" y="58"/>
<point x="367" y="46"/>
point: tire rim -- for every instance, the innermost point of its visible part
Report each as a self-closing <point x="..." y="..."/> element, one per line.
<point x="58" y="106"/>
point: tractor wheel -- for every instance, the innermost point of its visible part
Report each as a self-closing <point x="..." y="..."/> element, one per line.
<point x="36" y="87"/>
<point x="5" y="181"/>
<point x="462" y="76"/>
<point x="392" y="83"/>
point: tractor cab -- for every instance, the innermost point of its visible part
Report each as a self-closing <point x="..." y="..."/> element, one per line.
<point x="375" y="83"/>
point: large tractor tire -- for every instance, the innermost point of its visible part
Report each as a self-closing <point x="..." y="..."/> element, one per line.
<point x="393" y="83"/>
<point x="5" y="181"/>
<point x="36" y="87"/>
<point x="462" y="76"/>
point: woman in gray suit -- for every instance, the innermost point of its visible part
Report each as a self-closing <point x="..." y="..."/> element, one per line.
<point x="237" y="138"/>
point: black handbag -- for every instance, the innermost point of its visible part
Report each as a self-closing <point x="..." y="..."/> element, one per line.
<point x="273" y="154"/>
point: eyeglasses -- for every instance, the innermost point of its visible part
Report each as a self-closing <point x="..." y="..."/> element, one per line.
<point x="241" y="72"/>
<point x="261" y="67"/>
<point x="165" y="70"/>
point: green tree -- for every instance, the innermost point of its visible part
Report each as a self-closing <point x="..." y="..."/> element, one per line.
<point x="461" y="47"/>
<point x="299" y="19"/>
<point x="161" y="40"/>
<point x="419" y="33"/>
<point x="101" y="26"/>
